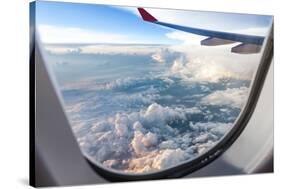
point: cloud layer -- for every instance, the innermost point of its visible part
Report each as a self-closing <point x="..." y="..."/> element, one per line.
<point x="144" y="141"/>
<point x="178" y="109"/>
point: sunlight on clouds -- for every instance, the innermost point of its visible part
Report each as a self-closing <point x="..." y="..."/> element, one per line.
<point x="202" y="63"/>
<point x="202" y="70"/>
<point x="235" y="97"/>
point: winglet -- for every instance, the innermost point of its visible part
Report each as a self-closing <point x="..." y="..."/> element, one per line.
<point x="146" y="16"/>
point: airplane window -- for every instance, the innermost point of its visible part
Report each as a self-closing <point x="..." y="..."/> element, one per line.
<point x="146" y="90"/>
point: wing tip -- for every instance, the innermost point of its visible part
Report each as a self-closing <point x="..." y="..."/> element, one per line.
<point x="146" y="16"/>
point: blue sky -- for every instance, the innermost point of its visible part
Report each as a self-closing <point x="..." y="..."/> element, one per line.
<point x="72" y="22"/>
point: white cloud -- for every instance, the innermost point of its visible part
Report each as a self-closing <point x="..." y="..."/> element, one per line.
<point x="59" y="34"/>
<point x="120" y="49"/>
<point x="150" y="139"/>
<point x="168" y="158"/>
<point x="121" y="125"/>
<point x="165" y="55"/>
<point x="105" y="49"/>
<point x="138" y="146"/>
<point x="146" y="142"/>
<point x="200" y="63"/>
<point x="214" y="127"/>
<point x="235" y="97"/>
<point x="186" y="38"/>
<point x="157" y="160"/>
<point x="168" y="144"/>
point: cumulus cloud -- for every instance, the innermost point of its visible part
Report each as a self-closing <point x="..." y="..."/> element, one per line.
<point x="168" y="144"/>
<point x="214" y="128"/>
<point x="168" y="158"/>
<point x="137" y="143"/>
<point x="144" y="141"/>
<point x="202" y="69"/>
<point x="157" y="160"/>
<point x="165" y="55"/>
<point x="121" y="125"/>
<point x="204" y="63"/>
<point x="211" y="64"/>
<point x="150" y="139"/>
<point x="174" y="151"/>
<point x="234" y="97"/>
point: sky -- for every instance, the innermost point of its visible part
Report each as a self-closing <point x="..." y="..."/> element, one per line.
<point x="90" y="23"/>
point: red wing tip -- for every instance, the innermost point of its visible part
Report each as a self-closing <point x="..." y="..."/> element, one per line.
<point x="146" y="16"/>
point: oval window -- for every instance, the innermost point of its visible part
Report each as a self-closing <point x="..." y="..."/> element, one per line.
<point x="145" y="96"/>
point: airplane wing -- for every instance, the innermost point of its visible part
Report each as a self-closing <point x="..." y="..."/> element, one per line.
<point x="248" y="43"/>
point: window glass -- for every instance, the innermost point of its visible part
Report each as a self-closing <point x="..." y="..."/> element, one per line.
<point x="142" y="97"/>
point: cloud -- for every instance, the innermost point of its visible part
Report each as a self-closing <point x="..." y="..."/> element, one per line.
<point x="59" y="34"/>
<point x="186" y="38"/>
<point x="153" y="137"/>
<point x="210" y="64"/>
<point x="150" y="139"/>
<point x="144" y="142"/>
<point x="189" y="61"/>
<point x="107" y="49"/>
<point x="202" y="69"/>
<point x="165" y="55"/>
<point x="168" y="158"/>
<point x="120" y="49"/>
<point x="234" y="97"/>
